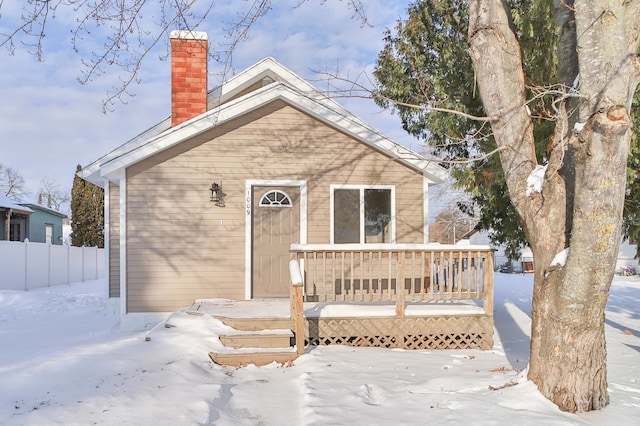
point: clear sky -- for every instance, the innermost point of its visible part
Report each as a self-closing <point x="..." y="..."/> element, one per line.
<point x="49" y="122"/>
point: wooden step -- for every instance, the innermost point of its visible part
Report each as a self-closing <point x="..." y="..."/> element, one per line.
<point x="257" y="358"/>
<point x="255" y="324"/>
<point x="281" y="339"/>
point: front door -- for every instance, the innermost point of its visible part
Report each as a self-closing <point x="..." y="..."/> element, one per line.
<point x="276" y="224"/>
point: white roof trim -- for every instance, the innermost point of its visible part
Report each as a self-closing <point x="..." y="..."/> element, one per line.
<point x="268" y="67"/>
<point x="92" y="171"/>
<point x="287" y="87"/>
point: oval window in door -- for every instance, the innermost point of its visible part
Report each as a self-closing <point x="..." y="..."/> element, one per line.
<point x="275" y="198"/>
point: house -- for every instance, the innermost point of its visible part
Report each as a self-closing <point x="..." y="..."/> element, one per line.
<point x="44" y="225"/>
<point x="14" y="219"/>
<point x="502" y="263"/>
<point x="207" y="203"/>
<point x="22" y="221"/>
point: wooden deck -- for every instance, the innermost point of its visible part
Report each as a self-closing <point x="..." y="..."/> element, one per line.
<point x="351" y="297"/>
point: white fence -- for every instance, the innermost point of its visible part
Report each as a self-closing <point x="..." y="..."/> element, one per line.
<point x="25" y="266"/>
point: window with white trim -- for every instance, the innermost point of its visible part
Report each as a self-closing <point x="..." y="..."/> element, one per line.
<point x="276" y="198"/>
<point x="362" y="214"/>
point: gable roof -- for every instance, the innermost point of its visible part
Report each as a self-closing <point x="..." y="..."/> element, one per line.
<point x="234" y="99"/>
<point x="8" y="204"/>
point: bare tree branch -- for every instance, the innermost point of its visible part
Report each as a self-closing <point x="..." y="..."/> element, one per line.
<point x="12" y="184"/>
<point x="50" y="195"/>
<point x="132" y="29"/>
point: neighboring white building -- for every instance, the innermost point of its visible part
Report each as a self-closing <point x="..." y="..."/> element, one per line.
<point x="500" y="258"/>
<point x="626" y="254"/>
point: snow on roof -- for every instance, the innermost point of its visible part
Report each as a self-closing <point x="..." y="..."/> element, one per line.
<point x="224" y="106"/>
<point x="8" y="203"/>
<point x="45" y="208"/>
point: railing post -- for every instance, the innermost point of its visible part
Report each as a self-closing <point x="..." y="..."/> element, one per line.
<point x="400" y="286"/>
<point x="297" y="306"/>
<point x="488" y="278"/>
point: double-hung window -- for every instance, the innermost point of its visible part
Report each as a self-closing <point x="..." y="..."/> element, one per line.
<point x="362" y="214"/>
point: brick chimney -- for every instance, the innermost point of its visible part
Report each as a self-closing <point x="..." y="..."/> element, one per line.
<point x="189" y="53"/>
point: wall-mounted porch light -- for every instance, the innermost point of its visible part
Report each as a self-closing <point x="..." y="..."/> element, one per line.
<point x="217" y="196"/>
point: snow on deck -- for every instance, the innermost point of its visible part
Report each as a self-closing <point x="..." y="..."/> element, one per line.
<point x="280" y="308"/>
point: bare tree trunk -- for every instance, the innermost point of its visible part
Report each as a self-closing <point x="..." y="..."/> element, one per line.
<point x="568" y="351"/>
<point x="580" y="205"/>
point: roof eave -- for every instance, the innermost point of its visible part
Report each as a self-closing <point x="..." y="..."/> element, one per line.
<point x="92" y="172"/>
<point x="47" y="209"/>
<point x="24" y="211"/>
<point x="293" y="90"/>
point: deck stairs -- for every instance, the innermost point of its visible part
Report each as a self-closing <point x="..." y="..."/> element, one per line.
<point x="258" y="341"/>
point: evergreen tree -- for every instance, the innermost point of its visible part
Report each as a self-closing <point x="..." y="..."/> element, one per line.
<point x="424" y="73"/>
<point x="87" y="213"/>
<point x="631" y="223"/>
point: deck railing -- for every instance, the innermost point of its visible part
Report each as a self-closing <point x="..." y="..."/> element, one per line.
<point x="395" y="272"/>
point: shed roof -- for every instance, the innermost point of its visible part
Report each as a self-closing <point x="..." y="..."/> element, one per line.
<point x="35" y="206"/>
<point x="231" y="101"/>
<point x="7" y="203"/>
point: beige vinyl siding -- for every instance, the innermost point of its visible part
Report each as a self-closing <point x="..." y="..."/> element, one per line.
<point x="182" y="247"/>
<point x="114" y="240"/>
<point x="255" y="86"/>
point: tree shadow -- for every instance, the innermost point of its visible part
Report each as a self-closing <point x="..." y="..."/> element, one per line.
<point x="512" y="314"/>
<point x="623" y="299"/>
<point x="512" y="317"/>
<point x="622" y="328"/>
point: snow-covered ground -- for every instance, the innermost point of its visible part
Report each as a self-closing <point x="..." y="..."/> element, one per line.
<point x="64" y="361"/>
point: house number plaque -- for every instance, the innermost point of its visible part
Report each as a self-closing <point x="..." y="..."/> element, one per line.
<point x="248" y="202"/>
